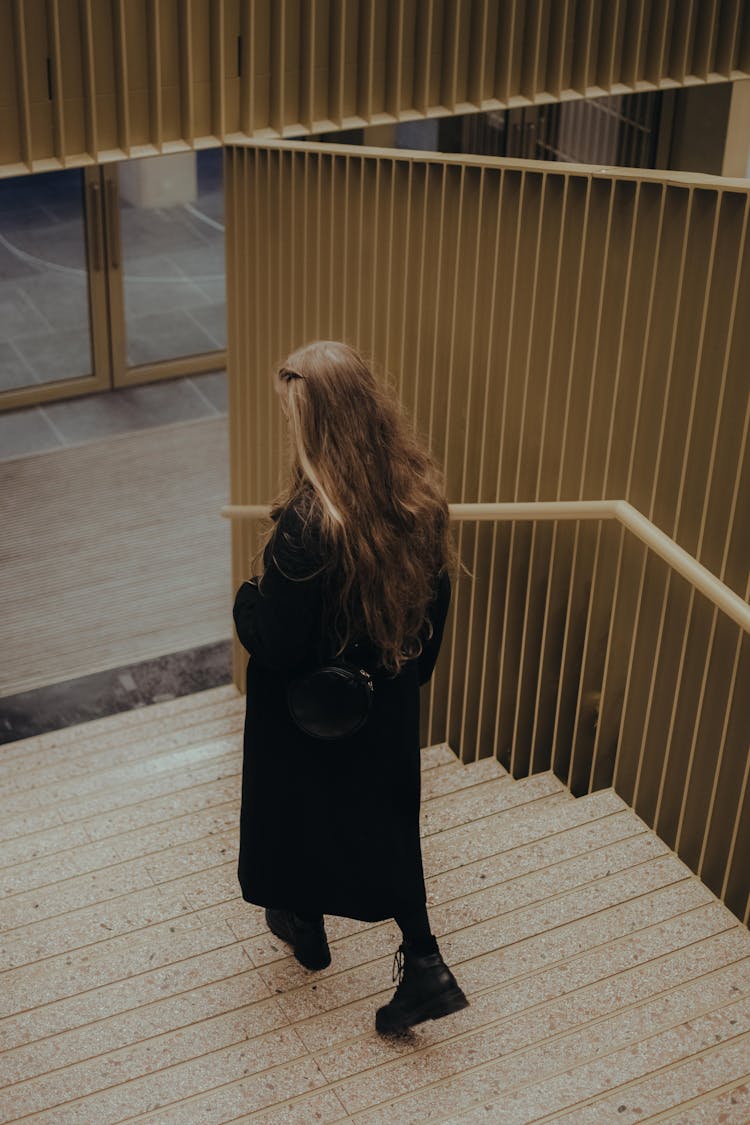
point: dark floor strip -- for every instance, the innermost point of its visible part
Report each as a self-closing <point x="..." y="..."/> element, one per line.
<point x="118" y="689"/>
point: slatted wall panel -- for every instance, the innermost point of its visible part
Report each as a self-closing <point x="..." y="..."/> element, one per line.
<point x="556" y="334"/>
<point x="84" y="80"/>
<point x="673" y="674"/>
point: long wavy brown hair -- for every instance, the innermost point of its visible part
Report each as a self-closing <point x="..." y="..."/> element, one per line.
<point x="362" y="477"/>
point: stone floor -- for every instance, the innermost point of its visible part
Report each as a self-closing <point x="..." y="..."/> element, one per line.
<point x="115" y="554"/>
<point x="74" y="421"/>
<point x="114" y="690"/>
<point x="606" y="983"/>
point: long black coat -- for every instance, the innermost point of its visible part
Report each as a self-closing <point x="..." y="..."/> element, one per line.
<point x="327" y="826"/>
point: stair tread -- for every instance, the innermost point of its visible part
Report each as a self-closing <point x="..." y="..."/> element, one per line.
<point x="136" y="975"/>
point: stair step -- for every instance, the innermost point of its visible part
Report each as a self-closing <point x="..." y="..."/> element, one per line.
<point x="438" y="755"/>
<point x="725" y="1062"/>
<point x="677" y="1051"/>
<point x="485" y="799"/>
<point x="729" y="1107"/>
<point x="123" y="726"/>
<point x="601" y="973"/>
<point x="451" y="778"/>
<point x="136" y="752"/>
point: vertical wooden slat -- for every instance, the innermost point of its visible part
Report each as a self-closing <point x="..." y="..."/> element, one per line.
<point x="405" y="208"/>
<point x="704" y="43"/>
<point x="510" y="38"/>
<point x="378" y="262"/>
<point x="561" y="47"/>
<point x="519" y="539"/>
<point x="710" y="825"/>
<point x="668" y="419"/>
<point x="597" y="470"/>
<point x="218" y="70"/>
<point x="587" y="480"/>
<point x="187" y="75"/>
<point x="248" y="122"/>
<point x="429" y="34"/>
<point x="482" y="546"/>
<point x="89" y="79"/>
<point x="395" y="61"/>
<point x="396" y="297"/>
<point x="657" y="45"/>
<point x="424" y="399"/>
<point x="585" y="40"/>
<point x="728" y="37"/>
<point x="595" y="254"/>
<point x="339" y="13"/>
<point x="58" y="96"/>
<point x="22" y="83"/>
<point x="647" y="441"/>
<point x="736" y="860"/>
<point x="455" y="13"/>
<point x="313" y="58"/>
<point x="686" y="438"/>
<point x="636" y="599"/>
<point x="461" y="251"/>
<point x="328" y="233"/>
<point x="681" y="41"/>
<point x="534" y="79"/>
<point x="310" y="19"/>
<point x="480" y="43"/>
<point x="122" y="84"/>
<point x="66" y="80"/>
<point x="366" y="58"/>
<point x="633" y="51"/>
<point x="536" y="615"/>
<point x="155" y="75"/>
<point x="612" y="43"/>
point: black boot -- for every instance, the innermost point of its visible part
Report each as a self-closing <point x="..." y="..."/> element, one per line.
<point x="308" y="938"/>
<point x="427" y="990"/>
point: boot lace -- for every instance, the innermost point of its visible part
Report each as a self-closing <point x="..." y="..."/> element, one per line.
<point x="398" y="965"/>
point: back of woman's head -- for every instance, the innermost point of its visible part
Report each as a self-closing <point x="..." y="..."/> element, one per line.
<point x="362" y="478"/>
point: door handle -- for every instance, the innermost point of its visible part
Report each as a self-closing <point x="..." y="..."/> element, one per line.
<point x="95" y="225"/>
<point x="113" y="224"/>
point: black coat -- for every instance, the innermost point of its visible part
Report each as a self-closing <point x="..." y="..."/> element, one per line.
<point x="328" y="826"/>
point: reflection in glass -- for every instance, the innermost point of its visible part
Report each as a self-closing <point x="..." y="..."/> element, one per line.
<point x="44" y="306"/>
<point x="172" y="216"/>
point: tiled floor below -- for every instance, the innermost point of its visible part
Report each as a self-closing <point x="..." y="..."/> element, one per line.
<point x="75" y="421"/>
<point x="606" y="983"/>
<point x="115" y="554"/>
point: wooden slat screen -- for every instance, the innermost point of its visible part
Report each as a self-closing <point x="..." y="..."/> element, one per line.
<point x="95" y="80"/>
<point x="555" y="333"/>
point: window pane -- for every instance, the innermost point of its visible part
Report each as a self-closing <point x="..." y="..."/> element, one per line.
<point x="44" y="307"/>
<point x="172" y="211"/>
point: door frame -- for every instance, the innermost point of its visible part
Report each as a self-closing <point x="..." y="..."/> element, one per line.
<point x="96" y="266"/>
<point x="124" y="375"/>
<point x="106" y="308"/>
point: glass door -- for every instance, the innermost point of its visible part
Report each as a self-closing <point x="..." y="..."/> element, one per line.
<point x="111" y="276"/>
<point x="165" y="233"/>
<point x="53" y="299"/>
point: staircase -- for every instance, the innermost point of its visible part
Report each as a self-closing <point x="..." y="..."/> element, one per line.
<point x="606" y="983"/>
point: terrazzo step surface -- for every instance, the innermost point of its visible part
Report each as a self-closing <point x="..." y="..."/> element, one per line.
<point x="606" y="983"/>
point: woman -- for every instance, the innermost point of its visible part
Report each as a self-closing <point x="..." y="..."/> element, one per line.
<point x="356" y="565"/>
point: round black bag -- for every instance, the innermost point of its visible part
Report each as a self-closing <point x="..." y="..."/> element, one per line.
<point x="332" y="700"/>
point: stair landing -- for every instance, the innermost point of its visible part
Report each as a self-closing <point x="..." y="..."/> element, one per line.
<point x="606" y="983"/>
